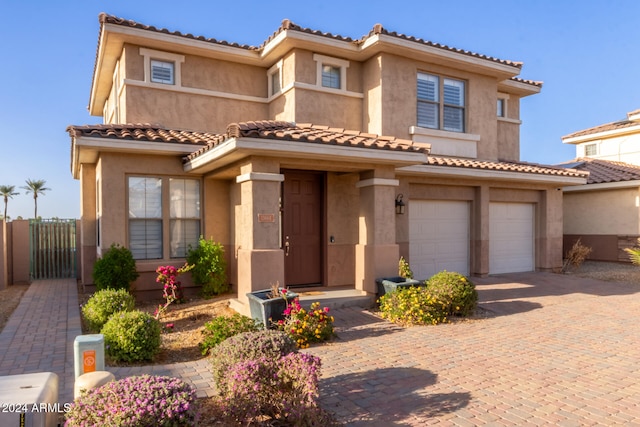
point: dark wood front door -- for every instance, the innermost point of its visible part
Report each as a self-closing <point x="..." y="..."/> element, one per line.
<point x="302" y="219"/>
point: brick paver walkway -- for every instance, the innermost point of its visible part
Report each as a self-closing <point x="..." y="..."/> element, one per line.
<point x="559" y="350"/>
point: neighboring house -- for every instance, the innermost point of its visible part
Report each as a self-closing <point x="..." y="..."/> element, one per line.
<point x="605" y="213"/>
<point x="275" y="151"/>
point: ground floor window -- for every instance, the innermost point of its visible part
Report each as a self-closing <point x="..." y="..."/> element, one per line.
<point x="164" y="213"/>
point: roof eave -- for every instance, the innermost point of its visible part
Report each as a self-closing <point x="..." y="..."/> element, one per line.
<point x="600" y="135"/>
<point x="234" y="149"/>
<point x="483" y="174"/>
<point x="617" y="185"/>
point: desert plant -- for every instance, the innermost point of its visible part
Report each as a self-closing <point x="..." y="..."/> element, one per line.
<point x="457" y="293"/>
<point x="412" y="306"/>
<point x="171" y="290"/>
<point x="282" y="390"/>
<point x="247" y="346"/>
<point x="404" y="270"/>
<point x="131" y="336"/>
<point x="576" y="255"/>
<point x="137" y="401"/>
<point x="634" y="253"/>
<point x="222" y="327"/>
<point x="103" y="304"/>
<point x="209" y="267"/>
<point x="305" y="327"/>
<point x="116" y="269"/>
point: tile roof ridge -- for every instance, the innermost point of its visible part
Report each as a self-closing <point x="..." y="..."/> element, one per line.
<point x="537" y="83"/>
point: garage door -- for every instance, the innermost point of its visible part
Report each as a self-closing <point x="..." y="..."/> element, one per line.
<point x="511" y="237"/>
<point x="439" y="237"/>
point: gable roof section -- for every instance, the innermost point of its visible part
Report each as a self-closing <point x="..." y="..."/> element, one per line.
<point x="142" y="132"/>
<point x="605" y="171"/>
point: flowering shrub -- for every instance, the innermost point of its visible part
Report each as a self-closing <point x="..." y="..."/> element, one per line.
<point x="222" y="327"/>
<point x="131" y="336"/>
<point x="412" y="306"/>
<point x="283" y="389"/>
<point x="404" y="270"/>
<point x="455" y="291"/>
<point x="305" y="327"/>
<point x="172" y="291"/>
<point x="103" y="304"/>
<point x="247" y="346"/>
<point x="137" y="401"/>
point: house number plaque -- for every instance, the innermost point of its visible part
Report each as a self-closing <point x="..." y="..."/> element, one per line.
<point x="266" y="218"/>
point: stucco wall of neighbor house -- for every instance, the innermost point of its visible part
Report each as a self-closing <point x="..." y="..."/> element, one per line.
<point x="623" y="148"/>
<point x="611" y="211"/>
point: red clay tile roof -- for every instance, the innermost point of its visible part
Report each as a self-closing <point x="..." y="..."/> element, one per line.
<point x="288" y="25"/>
<point x="605" y="171"/>
<point x="309" y="133"/>
<point x="143" y="132"/>
<point x="502" y="166"/>
<point x="604" y="128"/>
<point x="267" y="130"/>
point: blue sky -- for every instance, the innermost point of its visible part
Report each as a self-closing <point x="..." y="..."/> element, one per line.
<point x="585" y="52"/>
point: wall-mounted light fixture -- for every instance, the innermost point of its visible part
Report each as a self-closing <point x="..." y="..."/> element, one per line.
<point x="399" y="205"/>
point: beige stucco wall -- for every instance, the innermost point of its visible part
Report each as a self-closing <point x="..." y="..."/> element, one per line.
<point x="611" y="212"/>
<point x="343" y="201"/>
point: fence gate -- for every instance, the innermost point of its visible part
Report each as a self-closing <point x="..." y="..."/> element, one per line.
<point x="52" y="244"/>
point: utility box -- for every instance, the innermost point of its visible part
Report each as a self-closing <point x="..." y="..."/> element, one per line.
<point x="30" y="400"/>
<point x="88" y="354"/>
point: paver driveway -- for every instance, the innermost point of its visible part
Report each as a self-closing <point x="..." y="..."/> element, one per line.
<point x="560" y="350"/>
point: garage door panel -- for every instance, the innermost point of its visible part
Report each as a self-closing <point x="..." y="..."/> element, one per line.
<point x="439" y="239"/>
<point x="511" y="238"/>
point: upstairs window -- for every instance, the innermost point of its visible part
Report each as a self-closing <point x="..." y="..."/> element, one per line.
<point x="162" y="72"/>
<point x="501" y="107"/>
<point x="275" y="78"/>
<point x="591" y="150"/>
<point x="441" y="103"/>
<point x="331" y="72"/>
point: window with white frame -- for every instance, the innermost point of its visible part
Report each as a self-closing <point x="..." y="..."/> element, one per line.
<point x="441" y="103"/>
<point x="275" y="78"/>
<point x="160" y="207"/>
<point x="591" y="150"/>
<point x="162" y="67"/>
<point x="331" y="72"/>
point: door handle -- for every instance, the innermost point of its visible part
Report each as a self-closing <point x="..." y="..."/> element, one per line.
<point x="287" y="247"/>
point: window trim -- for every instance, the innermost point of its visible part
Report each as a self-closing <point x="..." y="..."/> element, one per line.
<point x="321" y="61"/>
<point x="166" y="217"/>
<point x="275" y="69"/>
<point x="158" y="55"/>
<point x="440" y="102"/>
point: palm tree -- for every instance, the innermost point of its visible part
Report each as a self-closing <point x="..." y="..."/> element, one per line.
<point x="7" y="191"/>
<point x="36" y="187"/>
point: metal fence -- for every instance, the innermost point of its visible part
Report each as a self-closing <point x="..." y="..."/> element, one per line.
<point x="52" y="244"/>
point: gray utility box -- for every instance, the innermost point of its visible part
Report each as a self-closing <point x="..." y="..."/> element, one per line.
<point x="30" y="400"/>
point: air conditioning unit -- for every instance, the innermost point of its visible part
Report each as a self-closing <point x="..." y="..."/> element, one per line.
<point x="30" y="400"/>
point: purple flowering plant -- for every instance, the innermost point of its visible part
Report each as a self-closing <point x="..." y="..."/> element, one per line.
<point x="136" y="401"/>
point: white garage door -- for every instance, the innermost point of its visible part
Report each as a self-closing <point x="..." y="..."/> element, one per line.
<point x="511" y="237"/>
<point x="439" y="237"/>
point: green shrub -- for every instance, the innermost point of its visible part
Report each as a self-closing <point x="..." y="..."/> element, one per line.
<point x="412" y="306"/>
<point x="137" y="401"/>
<point x="209" y="267"/>
<point x="455" y="291"/>
<point x="248" y="346"/>
<point x="131" y="336"/>
<point x="103" y="304"/>
<point x="116" y="269"/>
<point x="223" y="327"/>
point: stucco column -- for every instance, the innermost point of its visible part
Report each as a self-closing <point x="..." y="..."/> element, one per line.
<point x="4" y="267"/>
<point x="549" y="231"/>
<point x="377" y="252"/>
<point x="480" y="236"/>
<point x="260" y="261"/>
<point x="88" y="222"/>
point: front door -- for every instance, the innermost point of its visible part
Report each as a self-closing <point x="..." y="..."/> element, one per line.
<point x="302" y="227"/>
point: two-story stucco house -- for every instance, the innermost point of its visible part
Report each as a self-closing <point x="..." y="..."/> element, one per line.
<point x="316" y="159"/>
<point x="604" y="213"/>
